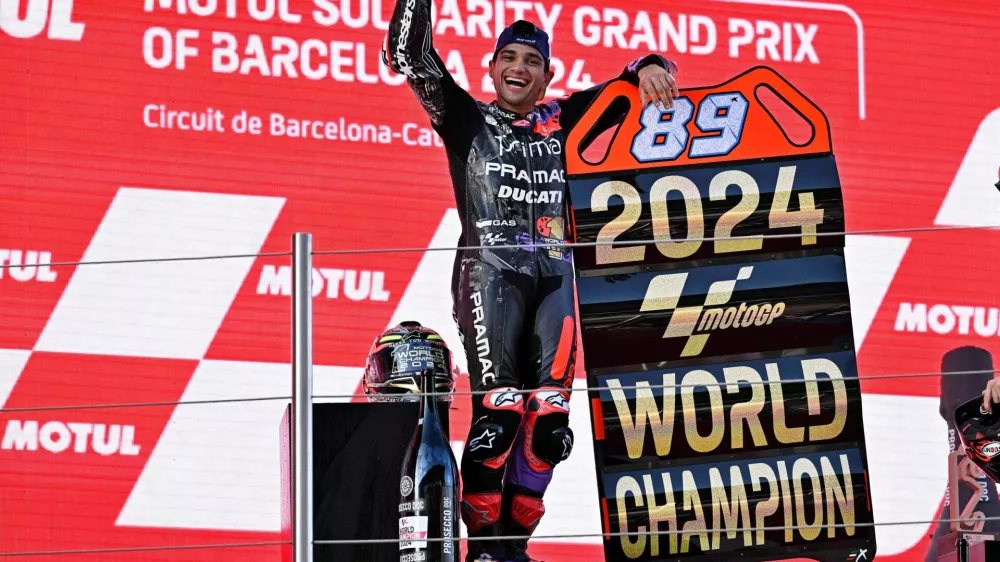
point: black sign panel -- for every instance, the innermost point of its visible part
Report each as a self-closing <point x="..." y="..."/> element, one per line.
<point x="720" y="511"/>
<point x="732" y="409"/>
<point x="717" y="310"/>
<point x="723" y="382"/>
<point x="734" y="204"/>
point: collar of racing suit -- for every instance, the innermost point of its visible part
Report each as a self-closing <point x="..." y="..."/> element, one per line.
<point x="502" y="113"/>
<point x="527" y="123"/>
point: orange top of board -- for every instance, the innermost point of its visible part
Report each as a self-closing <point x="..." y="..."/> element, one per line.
<point x="730" y="117"/>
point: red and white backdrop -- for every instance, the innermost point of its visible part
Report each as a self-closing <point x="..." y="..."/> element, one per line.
<point x="300" y="128"/>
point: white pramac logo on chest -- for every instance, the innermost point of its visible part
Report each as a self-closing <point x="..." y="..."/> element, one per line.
<point x="536" y="176"/>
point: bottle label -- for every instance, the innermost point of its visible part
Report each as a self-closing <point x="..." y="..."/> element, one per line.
<point x="413" y="532"/>
<point x="405" y="486"/>
<point x="447" y="520"/>
<point x="415" y="505"/>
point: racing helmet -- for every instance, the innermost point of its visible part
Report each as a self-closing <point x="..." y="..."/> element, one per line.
<point x="398" y="358"/>
<point x="979" y="431"/>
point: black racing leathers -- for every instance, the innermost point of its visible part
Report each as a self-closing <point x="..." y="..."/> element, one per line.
<point x="507" y="171"/>
<point x="514" y="303"/>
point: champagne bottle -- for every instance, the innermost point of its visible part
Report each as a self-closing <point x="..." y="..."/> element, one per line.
<point x="428" y="489"/>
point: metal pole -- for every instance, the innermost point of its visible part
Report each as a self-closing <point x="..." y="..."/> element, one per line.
<point x="302" y="393"/>
<point x="963" y="549"/>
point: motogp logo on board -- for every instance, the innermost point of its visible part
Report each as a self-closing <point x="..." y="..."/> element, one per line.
<point x="664" y="293"/>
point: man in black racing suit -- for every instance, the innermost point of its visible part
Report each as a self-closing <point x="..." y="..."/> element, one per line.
<point x="514" y="304"/>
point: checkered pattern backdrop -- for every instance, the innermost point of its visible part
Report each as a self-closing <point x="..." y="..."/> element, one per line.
<point x="84" y="177"/>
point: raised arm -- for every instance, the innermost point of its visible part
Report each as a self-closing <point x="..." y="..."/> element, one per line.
<point x="576" y="103"/>
<point x="408" y="50"/>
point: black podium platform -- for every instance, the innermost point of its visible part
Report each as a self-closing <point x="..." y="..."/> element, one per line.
<point x="358" y="453"/>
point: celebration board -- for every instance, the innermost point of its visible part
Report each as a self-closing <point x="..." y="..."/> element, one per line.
<point x="727" y="414"/>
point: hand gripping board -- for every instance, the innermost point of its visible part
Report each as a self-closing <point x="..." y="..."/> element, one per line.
<point x="716" y="327"/>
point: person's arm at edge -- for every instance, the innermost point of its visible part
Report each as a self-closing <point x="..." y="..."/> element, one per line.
<point x="991" y="395"/>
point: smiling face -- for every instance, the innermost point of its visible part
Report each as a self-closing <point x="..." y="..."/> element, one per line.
<point x="519" y="77"/>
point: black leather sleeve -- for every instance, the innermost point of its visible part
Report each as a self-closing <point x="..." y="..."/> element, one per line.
<point x="409" y="50"/>
<point x="576" y="103"/>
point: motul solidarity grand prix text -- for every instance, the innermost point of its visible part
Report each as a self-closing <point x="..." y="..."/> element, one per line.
<point x="237" y="50"/>
<point x="345" y="61"/>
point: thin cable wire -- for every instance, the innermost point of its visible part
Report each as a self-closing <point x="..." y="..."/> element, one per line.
<point x="143" y="404"/>
<point x="473" y="392"/>
<point x="500" y="246"/>
<point x="660" y="533"/>
<point x="141" y="549"/>
<point x="649" y="242"/>
<point x="148" y="260"/>
<point x="661" y="386"/>
<point x="470" y="393"/>
<point x="467" y="539"/>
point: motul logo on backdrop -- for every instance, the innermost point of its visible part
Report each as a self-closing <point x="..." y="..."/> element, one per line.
<point x="26" y="265"/>
<point x="329" y="282"/>
<point x="25" y="19"/>
<point x="947" y="319"/>
<point x="73" y="437"/>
